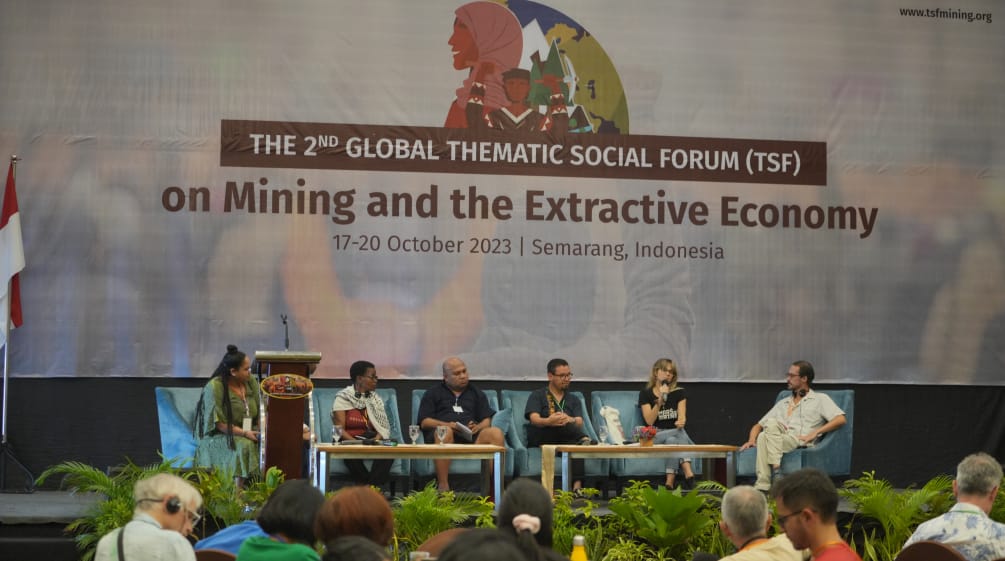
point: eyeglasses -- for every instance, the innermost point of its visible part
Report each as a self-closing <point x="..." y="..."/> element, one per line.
<point x="193" y="517"/>
<point x="781" y="519"/>
<point x="569" y="375"/>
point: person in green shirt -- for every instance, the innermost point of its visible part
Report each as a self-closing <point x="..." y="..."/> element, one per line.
<point x="226" y="424"/>
<point x="288" y="519"/>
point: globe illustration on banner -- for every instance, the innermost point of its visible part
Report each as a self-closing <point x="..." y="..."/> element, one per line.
<point x="554" y="43"/>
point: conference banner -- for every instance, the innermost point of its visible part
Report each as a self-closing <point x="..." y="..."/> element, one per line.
<point x="731" y="185"/>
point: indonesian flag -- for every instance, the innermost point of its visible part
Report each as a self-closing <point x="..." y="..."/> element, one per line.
<point x="11" y="257"/>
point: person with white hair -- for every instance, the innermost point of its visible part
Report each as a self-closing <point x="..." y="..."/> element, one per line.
<point x="745" y="521"/>
<point x="167" y="507"/>
<point x="967" y="527"/>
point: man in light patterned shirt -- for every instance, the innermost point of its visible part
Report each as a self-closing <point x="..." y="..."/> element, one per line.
<point x="967" y="527"/>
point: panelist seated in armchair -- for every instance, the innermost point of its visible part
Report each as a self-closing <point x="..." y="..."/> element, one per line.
<point x="557" y="417"/>
<point x="226" y="424"/>
<point x="663" y="405"/>
<point x="360" y="412"/>
<point x="453" y="401"/>
<point x="794" y="422"/>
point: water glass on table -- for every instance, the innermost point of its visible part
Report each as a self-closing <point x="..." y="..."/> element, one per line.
<point x="441" y="433"/>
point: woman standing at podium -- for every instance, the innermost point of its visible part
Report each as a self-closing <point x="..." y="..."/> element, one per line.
<point x="227" y="418"/>
<point x="360" y="412"/>
<point x="664" y="406"/>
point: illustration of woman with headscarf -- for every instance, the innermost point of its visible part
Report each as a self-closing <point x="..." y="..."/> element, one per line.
<point x="487" y="40"/>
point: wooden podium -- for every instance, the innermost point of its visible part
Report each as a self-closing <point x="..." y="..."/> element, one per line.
<point x="286" y="390"/>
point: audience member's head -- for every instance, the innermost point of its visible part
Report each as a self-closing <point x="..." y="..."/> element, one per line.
<point x="806" y="503"/>
<point x="354" y="548"/>
<point x="977" y="480"/>
<point x="290" y="511"/>
<point x="170" y="500"/>
<point x="435" y="544"/>
<point x="486" y="544"/>
<point x="744" y="514"/>
<point x="808" y="488"/>
<point x="355" y="511"/>
<point x="526" y="512"/>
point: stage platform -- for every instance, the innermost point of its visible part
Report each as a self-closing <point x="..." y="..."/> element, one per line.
<point x="31" y="524"/>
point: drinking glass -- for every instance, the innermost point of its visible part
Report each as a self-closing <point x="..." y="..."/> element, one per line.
<point x="602" y="434"/>
<point x="336" y="433"/>
<point x="413" y="432"/>
<point x="441" y="432"/>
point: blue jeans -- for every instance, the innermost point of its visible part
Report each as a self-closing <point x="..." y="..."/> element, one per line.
<point x="673" y="436"/>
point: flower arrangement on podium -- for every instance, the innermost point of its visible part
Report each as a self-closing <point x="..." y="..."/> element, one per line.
<point x="644" y="435"/>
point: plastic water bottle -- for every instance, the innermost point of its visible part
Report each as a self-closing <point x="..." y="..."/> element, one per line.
<point x="578" y="549"/>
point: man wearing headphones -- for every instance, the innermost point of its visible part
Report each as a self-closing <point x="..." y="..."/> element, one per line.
<point x="167" y="508"/>
<point x="794" y="422"/>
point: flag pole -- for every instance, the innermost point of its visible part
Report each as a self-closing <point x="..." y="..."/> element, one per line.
<point x="6" y="452"/>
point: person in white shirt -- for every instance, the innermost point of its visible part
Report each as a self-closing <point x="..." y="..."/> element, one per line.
<point x="967" y="527"/>
<point x="745" y="521"/>
<point x="167" y="507"/>
<point x="794" y="422"/>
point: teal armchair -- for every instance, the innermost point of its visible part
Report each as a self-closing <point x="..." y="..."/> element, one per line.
<point x="176" y="419"/>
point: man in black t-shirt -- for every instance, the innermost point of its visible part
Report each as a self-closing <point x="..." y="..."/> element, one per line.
<point x="456" y="400"/>
<point x="557" y="417"/>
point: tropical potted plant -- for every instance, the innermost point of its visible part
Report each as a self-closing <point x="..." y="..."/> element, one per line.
<point x="666" y="520"/>
<point x="425" y="513"/>
<point x="116" y="508"/>
<point x="885" y="517"/>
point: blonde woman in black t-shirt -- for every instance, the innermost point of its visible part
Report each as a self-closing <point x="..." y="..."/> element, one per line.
<point x="664" y="406"/>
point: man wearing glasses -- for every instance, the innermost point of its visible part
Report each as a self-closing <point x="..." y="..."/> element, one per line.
<point x="806" y="508"/>
<point x="557" y="417"/>
<point x="745" y="521"/>
<point x="794" y="422"/>
<point x="167" y="508"/>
